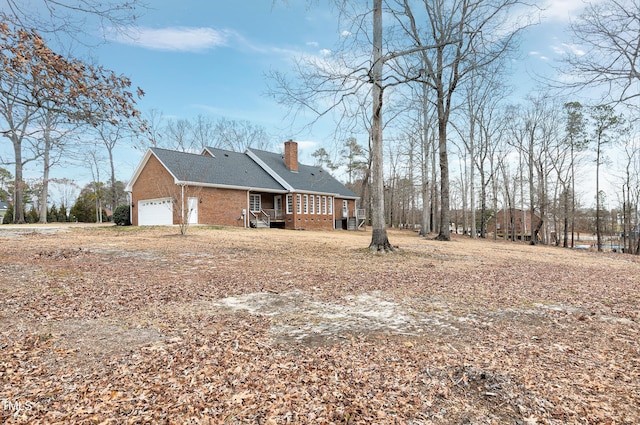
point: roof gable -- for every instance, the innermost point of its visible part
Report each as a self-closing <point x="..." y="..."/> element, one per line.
<point x="308" y="178"/>
<point x="252" y="170"/>
<point x="222" y="169"/>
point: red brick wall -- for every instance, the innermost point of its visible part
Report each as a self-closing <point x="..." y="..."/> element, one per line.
<point x="224" y="206"/>
<point x="218" y="206"/>
<point x="153" y="182"/>
<point x="315" y="221"/>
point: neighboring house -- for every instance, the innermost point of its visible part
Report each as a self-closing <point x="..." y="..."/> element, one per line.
<point x="4" y="206"/>
<point x="251" y="189"/>
<point x="514" y="222"/>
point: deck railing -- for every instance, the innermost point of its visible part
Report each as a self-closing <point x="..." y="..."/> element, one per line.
<point x="274" y="214"/>
<point x="260" y="217"/>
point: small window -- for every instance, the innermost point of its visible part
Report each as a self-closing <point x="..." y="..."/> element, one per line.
<point x="255" y="203"/>
<point x="312" y="205"/>
<point x="289" y="204"/>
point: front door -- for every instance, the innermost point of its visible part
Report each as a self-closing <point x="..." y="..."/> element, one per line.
<point x="345" y="208"/>
<point x="192" y="211"/>
<point x="277" y="206"/>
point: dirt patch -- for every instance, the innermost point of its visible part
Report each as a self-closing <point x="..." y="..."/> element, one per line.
<point x="299" y="319"/>
<point x="273" y="326"/>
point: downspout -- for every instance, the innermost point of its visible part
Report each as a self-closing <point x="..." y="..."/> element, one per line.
<point x="246" y="216"/>
<point x="130" y="207"/>
<point x="182" y="201"/>
<point x="333" y="211"/>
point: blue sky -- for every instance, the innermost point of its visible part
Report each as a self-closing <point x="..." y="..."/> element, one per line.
<point x="210" y="57"/>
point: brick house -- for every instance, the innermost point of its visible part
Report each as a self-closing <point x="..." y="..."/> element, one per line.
<point x="512" y="222"/>
<point x="251" y="189"/>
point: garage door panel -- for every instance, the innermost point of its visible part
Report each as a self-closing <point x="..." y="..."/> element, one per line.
<point x="155" y="212"/>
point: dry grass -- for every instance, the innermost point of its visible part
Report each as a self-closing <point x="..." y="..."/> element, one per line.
<point x="272" y="326"/>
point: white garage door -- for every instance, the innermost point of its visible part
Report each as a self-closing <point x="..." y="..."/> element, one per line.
<point x="155" y="212"/>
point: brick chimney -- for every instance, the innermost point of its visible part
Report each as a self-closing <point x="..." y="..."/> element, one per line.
<point x="291" y="155"/>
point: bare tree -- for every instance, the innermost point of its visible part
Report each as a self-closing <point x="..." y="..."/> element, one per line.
<point x="437" y="53"/>
<point x="178" y="135"/>
<point x="154" y="119"/>
<point x="605" y="122"/>
<point x="203" y="131"/>
<point x="17" y="117"/>
<point x="483" y="93"/>
<point x="576" y="140"/>
<point x="631" y="198"/>
<point x="55" y="130"/>
<point x="607" y="36"/>
<point x="237" y="135"/>
<point x="37" y="80"/>
<point x="109" y="135"/>
<point x="94" y="160"/>
<point x="67" y="190"/>
<point x="466" y="35"/>
<point x="70" y="17"/>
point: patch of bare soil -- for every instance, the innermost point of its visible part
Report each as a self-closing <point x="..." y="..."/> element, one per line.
<point x="268" y="326"/>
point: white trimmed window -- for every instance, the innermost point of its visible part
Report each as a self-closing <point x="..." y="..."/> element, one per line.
<point x="319" y="210"/>
<point x="330" y="204"/>
<point x="289" y="204"/>
<point x="299" y="204"/>
<point x="324" y="205"/>
<point x="255" y="203"/>
<point x="312" y="205"/>
<point x="306" y="204"/>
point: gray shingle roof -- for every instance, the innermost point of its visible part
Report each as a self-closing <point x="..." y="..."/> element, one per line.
<point x="225" y="168"/>
<point x="308" y="178"/>
<point x="235" y="169"/>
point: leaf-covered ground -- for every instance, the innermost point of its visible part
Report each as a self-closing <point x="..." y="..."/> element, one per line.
<point x="142" y="325"/>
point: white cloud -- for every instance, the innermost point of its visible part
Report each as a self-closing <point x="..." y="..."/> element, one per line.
<point x="345" y="33"/>
<point x="306" y="145"/>
<point x="538" y="55"/>
<point x="562" y="10"/>
<point x="179" y="39"/>
<point x="325" y="52"/>
<point x="564" y="48"/>
<point x="313" y="43"/>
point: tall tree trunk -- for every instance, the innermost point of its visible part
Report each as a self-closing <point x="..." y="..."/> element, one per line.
<point x="598" y="230"/>
<point x="379" y="239"/>
<point x="472" y="178"/>
<point x="573" y="197"/>
<point x="426" y="202"/>
<point x="435" y="206"/>
<point x="532" y="193"/>
<point x="565" y="242"/>
<point x="18" y="194"/>
<point x="445" y="213"/>
<point x="44" y="194"/>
